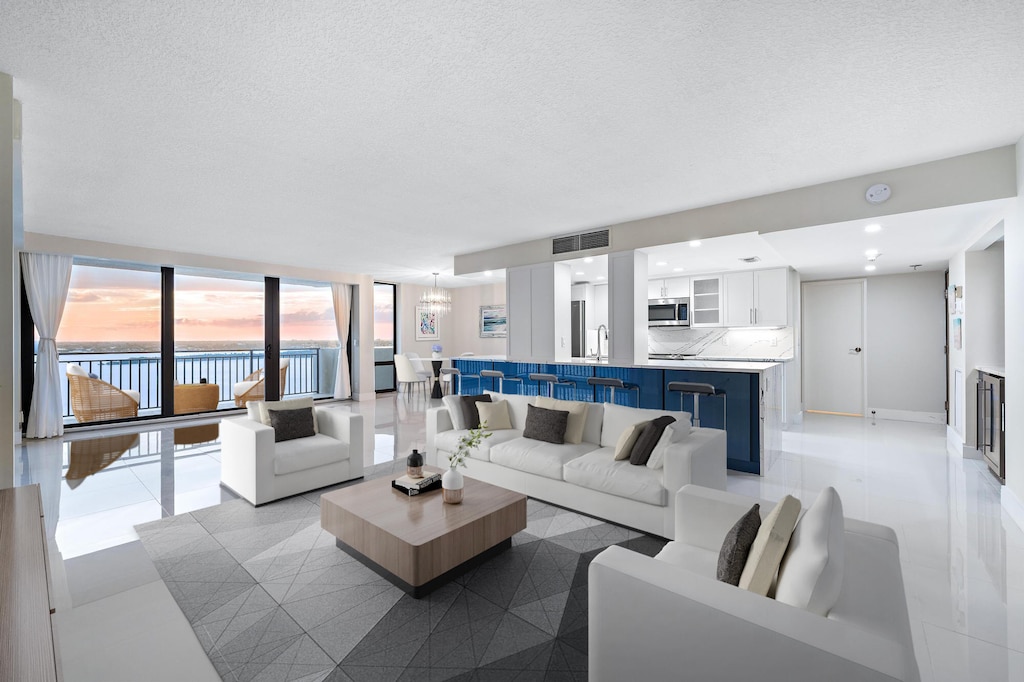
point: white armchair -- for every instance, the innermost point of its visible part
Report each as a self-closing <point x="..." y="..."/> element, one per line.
<point x="668" y="618"/>
<point x="260" y="470"/>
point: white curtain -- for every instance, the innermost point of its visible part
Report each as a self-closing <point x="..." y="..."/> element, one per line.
<point x="47" y="279"/>
<point x="342" y="295"/>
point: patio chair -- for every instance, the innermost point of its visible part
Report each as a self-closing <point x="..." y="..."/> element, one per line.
<point x="93" y="455"/>
<point x="94" y="400"/>
<point x="252" y="387"/>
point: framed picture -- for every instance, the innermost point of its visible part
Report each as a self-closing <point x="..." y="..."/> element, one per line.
<point x="493" y="322"/>
<point x="426" y="324"/>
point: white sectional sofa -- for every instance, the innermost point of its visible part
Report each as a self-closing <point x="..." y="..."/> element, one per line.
<point x="585" y="476"/>
<point x="667" y="617"/>
<point x="261" y="471"/>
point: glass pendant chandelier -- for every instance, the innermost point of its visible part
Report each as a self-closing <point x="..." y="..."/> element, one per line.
<point x="436" y="299"/>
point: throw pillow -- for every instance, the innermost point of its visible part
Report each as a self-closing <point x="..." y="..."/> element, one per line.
<point x="292" y="424"/>
<point x="769" y="546"/>
<point x="470" y="413"/>
<point x="736" y="547"/>
<point x="627" y="439"/>
<point x="454" y="405"/>
<point x="811" y="575"/>
<point x="577" y="416"/>
<point x="675" y="432"/>
<point x="494" y="414"/>
<point x="641" y="452"/>
<point x="291" y="404"/>
<point x="546" y="425"/>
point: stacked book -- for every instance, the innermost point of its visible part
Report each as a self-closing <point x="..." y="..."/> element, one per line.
<point x="414" y="486"/>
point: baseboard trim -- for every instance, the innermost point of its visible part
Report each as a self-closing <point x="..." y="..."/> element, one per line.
<point x="907" y="415"/>
<point x="972" y="453"/>
<point x="360" y="397"/>
<point x="1013" y="506"/>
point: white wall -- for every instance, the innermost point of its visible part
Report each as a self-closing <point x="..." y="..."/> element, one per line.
<point x="10" y="296"/>
<point x="1013" y="495"/>
<point x="984" y="337"/>
<point x="957" y="359"/>
<point x="460" y="329"/>
<point x="904" y="341"/>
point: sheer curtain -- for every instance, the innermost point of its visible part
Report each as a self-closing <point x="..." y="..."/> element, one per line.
<point x="342" y="295"/>
<point x="47" y="279"/>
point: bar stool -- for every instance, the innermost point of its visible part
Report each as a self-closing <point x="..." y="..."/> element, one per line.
<point x="608" y="386"/>
<point x="454" y="373"/>
<point x="500" y="376"/>
<point x="697" y="390"/>
<point x="550" y="379"/>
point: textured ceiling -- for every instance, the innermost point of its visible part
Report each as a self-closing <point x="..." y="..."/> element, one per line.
<point x="387" y="136"/>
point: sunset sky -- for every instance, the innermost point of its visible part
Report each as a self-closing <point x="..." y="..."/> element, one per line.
<point x="108" y="304"/>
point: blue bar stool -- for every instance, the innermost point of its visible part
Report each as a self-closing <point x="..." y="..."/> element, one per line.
<point x="500" y="376"/>
<point x="608" y="386"/>
<point x="697" y="390"/>
<point x="549" y="379"/>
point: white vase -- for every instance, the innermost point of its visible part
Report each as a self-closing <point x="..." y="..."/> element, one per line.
<point x="451" y="486"/>
<point x="436" y="354"/>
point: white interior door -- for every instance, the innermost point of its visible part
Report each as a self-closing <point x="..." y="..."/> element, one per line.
<point x="833" y="346"/>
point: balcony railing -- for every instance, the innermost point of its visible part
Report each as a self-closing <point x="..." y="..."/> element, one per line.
<point x="141" y="371"/>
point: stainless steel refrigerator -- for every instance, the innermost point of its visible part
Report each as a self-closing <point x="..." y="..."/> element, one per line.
<point x="579" y="329"/>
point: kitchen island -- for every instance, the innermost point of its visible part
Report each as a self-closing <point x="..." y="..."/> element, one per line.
<point x="751" y="412"/>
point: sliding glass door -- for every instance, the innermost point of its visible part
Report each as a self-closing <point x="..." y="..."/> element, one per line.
<point x="384" y="336"/>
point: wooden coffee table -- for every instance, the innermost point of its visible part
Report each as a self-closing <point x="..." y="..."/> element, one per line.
<point x="419" y="542"/>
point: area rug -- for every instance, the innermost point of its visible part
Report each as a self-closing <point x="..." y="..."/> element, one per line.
<point x="270" y="597"/>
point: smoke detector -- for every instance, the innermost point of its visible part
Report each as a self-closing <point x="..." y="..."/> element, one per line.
<point x="878" y="194"/>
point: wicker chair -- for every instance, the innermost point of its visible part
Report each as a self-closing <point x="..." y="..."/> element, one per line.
<point x="189" y="398"/>
<point x="94" y="400"/>
<point x="252" y="387"/>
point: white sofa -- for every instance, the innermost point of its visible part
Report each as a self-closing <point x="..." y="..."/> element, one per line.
<point x="585" y="477"/>
<point x="261" y="471"/>
<point x="657" y="618"/>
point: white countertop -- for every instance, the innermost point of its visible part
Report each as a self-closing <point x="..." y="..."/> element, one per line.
<point x="988" y="369"/>
<point x="711" y="365"/>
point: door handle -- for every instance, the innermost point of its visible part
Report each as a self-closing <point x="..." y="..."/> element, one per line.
<point x="854" y="351"/>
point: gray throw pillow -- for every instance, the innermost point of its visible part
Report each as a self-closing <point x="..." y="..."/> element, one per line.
<point x="546" y="425"/>
<point x="292" y="424"/>
<point x="736" y="546"/>
<point x="471" y="415"/>
<point x="649" y="437"/>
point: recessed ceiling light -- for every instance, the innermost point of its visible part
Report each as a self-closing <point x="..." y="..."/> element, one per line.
<point x="488" y="273"/>
<point x="661" y="263"/>
<point x="677" y="269"/>
<point x="873" y="227"/>
<point x="588" y="260"/>
<point x="600" y="277"/>
<point x="580" y="273"/>
<point x="695" y="243"/>
<point x="869" y="267"/>
<point x="872" y="254"/>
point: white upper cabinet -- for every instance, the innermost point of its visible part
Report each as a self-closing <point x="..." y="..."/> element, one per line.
<point x="670" y="287"/>
<point x="757" y="299"/>
<point x="706" y="301"/>
<point x="739" y="299"/>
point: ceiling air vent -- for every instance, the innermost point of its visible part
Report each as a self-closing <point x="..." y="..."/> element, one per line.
<point x="751" y="259"/>
<point x="580" y="242"/>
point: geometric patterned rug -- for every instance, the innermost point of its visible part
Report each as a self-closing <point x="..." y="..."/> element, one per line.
<point x="271" y="597"/>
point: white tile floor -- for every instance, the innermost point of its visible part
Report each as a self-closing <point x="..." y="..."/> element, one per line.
<point x="963" y="557"/>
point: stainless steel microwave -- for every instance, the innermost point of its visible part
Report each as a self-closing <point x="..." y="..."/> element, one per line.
<point x="668" y="312"/>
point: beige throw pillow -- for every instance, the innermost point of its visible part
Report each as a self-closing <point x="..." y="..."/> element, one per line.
<point x="495" y="415"/>
<point x="291" y="404"/>
<point x="627" y="440"/>
<point x="577" y="416"/>
<point x="769" y="546"/>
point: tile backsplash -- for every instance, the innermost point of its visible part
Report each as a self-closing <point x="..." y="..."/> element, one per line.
<point x="722" y="343"/>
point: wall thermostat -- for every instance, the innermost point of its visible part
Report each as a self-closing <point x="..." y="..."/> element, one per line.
<point x="879" y="193"/>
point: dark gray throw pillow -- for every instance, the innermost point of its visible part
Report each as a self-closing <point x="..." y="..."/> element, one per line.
<point x="649" y="437"/>
<point x="546" y="425"/>
<point x="292" y="424"/>
<point x="736" y="546"/>
<point x="470" y="414"/>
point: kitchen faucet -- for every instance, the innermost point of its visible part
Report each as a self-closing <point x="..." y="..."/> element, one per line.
<point x="599" y="337"/>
